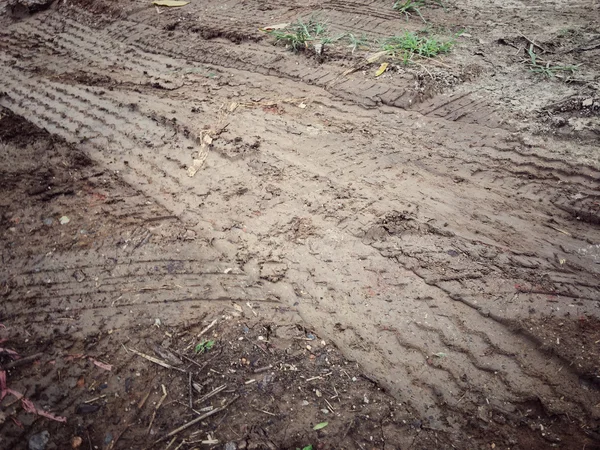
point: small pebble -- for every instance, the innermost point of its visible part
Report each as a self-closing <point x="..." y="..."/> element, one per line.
<point x="39" y="441"/>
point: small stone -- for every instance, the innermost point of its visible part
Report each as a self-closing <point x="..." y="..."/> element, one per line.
<point x="230" y="446"/>
<point x="87" y="409"/>
<point x="587" y="102"/>
<point x="318" y="393"/>
<point x="325" y="411"/>
<point x="49" y="221"/>
<point x="79" y="275"/>
<point x="76" y="442"/>
<point x="21" y="8"/>
<point x="304" y="403"/>
<point x="39" y="441"/>
<point x="64" y="220"/>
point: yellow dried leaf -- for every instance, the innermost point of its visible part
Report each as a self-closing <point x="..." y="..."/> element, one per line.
<point x="382" y="68"/>
<point x="169" y="3"/>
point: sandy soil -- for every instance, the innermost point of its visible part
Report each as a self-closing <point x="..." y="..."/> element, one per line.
<point x="412" y="258"/>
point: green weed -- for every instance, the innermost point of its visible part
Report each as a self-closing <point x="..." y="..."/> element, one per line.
<point x="356" y="43"/>
<point x="409" y="44"/>
<point x="409" y="7"/>
<point x="302" y="35"/>
<point x="548" y="70"/>
<point x="204" y="346"/>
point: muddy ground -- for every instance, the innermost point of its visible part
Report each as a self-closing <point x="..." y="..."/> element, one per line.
<point x="412" y="258"/>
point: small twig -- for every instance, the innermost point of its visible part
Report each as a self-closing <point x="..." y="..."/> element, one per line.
<point x="202" y="366"/>
<point x="329" y="404"/>
<point x="94" y="399"/>
<point x="195" y="421"/>
<point x="114" y="441"/>
<point x="143" y="400"/>
<point x="266" y="412"/>
<point x="89" y="440"/>
<point x="20" y="362"/>
<point x="190" y="388"/>
<point x="533" y="43"/>
<point x="425" y="69"/>
<point x="263" y="369"/>
<point x="251" y="309"/>
<point x="160" y="402"/>
<point x="170" y="443"/>
<point x="318" y="377"/>
<point x="558" y="229"/>
<point x="156" y="361"/>
<point x="265" y="352"/>
<point x="212" y="324"/>
<point x="210" y="394"/>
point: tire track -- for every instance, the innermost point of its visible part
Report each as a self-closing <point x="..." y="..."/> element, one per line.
<point x="320" y="270"/>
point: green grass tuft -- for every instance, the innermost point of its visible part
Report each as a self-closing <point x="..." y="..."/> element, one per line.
<point x="301" y="35"/>
<point x="409" y="7"/>
<point x="356" y="43"/>
<point x="548" y="70"/>
<point x="409" y="44"/>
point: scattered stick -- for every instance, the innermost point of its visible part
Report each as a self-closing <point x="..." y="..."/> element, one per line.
<point x="329" y="404"/>
<point x="20" y="362"/>
<point x="181" y="444"/>
<point x="202" y="366"/>
<point x="558" y="229"/>
<point x="263" y="369"/>
<point x="170" y="443"/>
<point x="210" y="394"/>
<point x="212" y="324"/>
<point x="195" y="421"/>
<point x="260" y="347"/>
<point x="533" y="43"/>
<point x="94" y="399"/>
<point x="201" y="411"/>
<point x="143" y="400"/>
<point x="162" y="399"/>
<point x="114" y="441"/>
<point x="89" y="440"/>
<point x="156" y="361"/>
<point x="249" y="305"/>
<point x="190" y="388"/>
<point x="266" y="412"/>
<point x="132" y="417"/>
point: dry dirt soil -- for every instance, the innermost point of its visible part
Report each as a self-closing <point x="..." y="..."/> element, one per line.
<point x="210" y="241"/>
